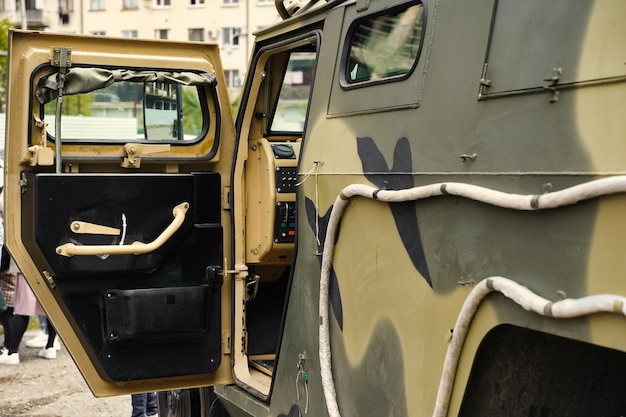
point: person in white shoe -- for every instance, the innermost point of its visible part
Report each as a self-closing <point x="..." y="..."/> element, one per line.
<point x="7" y="286"/>
<point x="26" y="306"/>
<point x="40" y="340"/>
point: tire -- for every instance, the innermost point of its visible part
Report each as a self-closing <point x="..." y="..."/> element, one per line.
<point x="196" y="402"/>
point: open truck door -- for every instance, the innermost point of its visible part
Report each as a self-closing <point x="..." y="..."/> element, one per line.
<point x="118" y="163"/>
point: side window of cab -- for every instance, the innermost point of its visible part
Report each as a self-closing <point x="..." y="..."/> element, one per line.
<point x="383" y="60"/>
<point x="383" y="46"/>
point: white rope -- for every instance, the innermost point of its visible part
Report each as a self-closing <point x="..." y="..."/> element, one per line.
<point x="563" y="309"/>
<point x="315" y="172"/>
<point x="568" y="196"/>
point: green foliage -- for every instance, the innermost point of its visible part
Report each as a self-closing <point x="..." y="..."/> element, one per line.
<point x="74" y="105"/>
<point x="192" y="113"/>
<point x="234" y="106"/>
<point x="79" y="104"/>
<point x="5" y="25"/>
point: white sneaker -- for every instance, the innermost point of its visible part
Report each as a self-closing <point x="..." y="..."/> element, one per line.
<point x="48" y="353"/>
<point x="13" y="359"/>
<point x="41" y="340"/>
<point x="38" y="341"/>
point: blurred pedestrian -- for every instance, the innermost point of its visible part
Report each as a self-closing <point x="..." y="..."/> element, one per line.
<point x="26" y="306"/>
<point x="144" y="405"/>
<point x="7" y="288"/>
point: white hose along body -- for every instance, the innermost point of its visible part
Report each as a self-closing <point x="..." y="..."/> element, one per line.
<point x="563" y="309"/>
<point x="528" y="300"/>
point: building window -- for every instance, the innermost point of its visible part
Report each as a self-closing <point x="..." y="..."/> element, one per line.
<point x="265" y="2"/>
<point x="232" y="78"/>
<point x="162" y="3"/>
<point x="161" y="34"/>
<point x="98" y="5"/>
<point x="130" y="4"/>
<point x="230" y="36"/>
<point x="196" y="34"/>
<point x="66" y="6"/>
<point x="129" y="33"/>
<point x="230" y="2"/>
<point x="196" y="2"/>
<point x="97" y="33"/>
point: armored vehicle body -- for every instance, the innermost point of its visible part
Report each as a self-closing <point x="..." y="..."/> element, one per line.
<point x="417" y="210"/>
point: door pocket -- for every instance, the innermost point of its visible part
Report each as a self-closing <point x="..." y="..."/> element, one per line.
<point x="146" y="315"/>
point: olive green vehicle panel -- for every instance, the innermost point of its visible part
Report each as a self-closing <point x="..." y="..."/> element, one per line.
<point x="459" y="221"/>
<point x="403" y="270"/>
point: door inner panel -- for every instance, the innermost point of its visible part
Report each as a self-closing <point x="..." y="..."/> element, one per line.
<point x="135" y="261"/>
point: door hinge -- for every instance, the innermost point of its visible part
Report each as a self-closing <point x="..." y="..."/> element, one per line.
<point x="49" y="279"/>
<point x="226" y="198"/>
<point x="226" y="345"/>
<point x="23" y="183"/>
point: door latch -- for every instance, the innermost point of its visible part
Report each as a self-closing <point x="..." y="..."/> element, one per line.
<point x="135" y="151"/>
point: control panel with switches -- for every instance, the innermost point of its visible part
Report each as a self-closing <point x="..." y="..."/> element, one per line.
<point x="272" y="177"/>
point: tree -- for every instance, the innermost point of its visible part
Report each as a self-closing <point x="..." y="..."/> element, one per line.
<point x="5" y="25"/>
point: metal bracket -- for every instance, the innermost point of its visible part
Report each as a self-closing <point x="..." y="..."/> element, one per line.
<point x="553" y="82"/>
<point x="23" y="183"/>
<point x="61" y="57"/>
<point x="42" y="155"/>
<point x="252" y="286"/>
<point x="362" y="5"/>
<point x="213" y="277"/>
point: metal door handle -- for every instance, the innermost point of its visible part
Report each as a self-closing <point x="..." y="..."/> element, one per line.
<point x="136" y="248"/>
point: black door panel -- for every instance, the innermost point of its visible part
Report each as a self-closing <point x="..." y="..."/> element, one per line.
<point x="143" y="316"/>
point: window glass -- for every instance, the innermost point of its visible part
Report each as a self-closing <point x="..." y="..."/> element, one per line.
<point x="385" y="45"/>
<point x="97" y="5"/>
<point x="130" y="111"/>
<point x="230" y="36"/>
<point x="232" y="78"/>
<point x="290" y="111"/>
<point x="196" y="34"/>
<point x="161" y="33"/>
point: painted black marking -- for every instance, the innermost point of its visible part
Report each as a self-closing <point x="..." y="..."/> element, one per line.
<point x="376" y="170"/>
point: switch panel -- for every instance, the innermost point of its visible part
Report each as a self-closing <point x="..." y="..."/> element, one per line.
<point x="285" y="222"/>
<point x="286" y="178"/>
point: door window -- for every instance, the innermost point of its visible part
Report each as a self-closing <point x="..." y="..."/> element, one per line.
<point x="291" y="108"/>
<point x="125" y="105"/>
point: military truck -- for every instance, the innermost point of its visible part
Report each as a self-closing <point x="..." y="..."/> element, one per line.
<point x="418" y="210"/>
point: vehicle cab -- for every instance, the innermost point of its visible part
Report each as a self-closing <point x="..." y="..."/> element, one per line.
<point x="417" y="210"/>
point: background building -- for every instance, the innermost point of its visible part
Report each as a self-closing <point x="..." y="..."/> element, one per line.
<point x="230" y="23"/>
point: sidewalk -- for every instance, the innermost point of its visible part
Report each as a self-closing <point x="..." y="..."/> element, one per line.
<point x="40" y="387"/>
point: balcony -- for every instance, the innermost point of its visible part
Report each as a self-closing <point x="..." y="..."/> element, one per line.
<point x="35" y="19"/>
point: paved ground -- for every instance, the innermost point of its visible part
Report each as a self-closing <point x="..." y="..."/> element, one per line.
<point x="52" y="388"/>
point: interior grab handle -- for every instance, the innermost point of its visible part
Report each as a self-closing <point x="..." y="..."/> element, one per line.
<point x="136" y="248"/>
